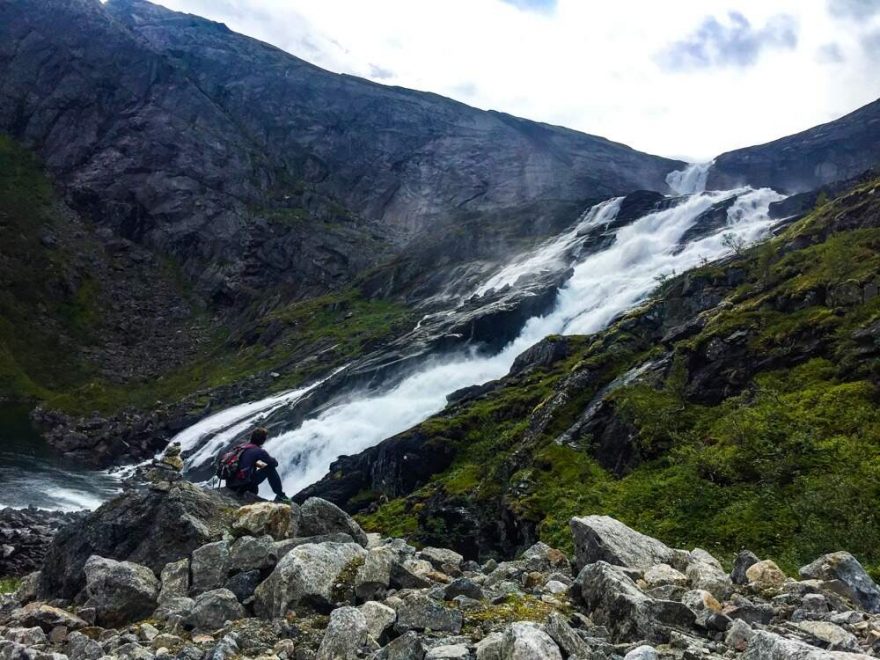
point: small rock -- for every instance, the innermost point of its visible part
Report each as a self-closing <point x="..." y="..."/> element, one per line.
<point x="441" y="558"/>
<point x="567" y="639"/>
<point x="448" y="652"/>
<point x="243" y="585"/>
<point x="738" y="635"/>
<point x="526" y="641"/>
<point x="490" y="647"/>
<point x="765" y="575"/>
<point x="420" y="612"/>
<point x="644" y="652"/>
<point x="120" y="591"/>
<point x="26" y="636"/>
<point x="323" y="517"/>
<point x="664" y="574"/>
<point x="406" y="647"/>
<point x="346" y="635"/>
<point x="380" y="619"/>
<point x="209" y="567"/>
<point x="831" y="636"/>
<point x="741" y="564"/>
<point x="81" y="647"/>
<point x="463" y="587"/>
<point x="275" y="519"/>
<point x="175" y="580"/>
<point x="213" y="608"/>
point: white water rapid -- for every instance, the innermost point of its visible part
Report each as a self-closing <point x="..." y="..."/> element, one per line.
<point x="603" y="285"/>
<point x="690" y="180"/>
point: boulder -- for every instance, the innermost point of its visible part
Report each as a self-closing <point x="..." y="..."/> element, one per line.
<point x="307" y="574"/>
<point x="616" y="602"/>
<point x="738" y="635"/>
<point x="406" y="647"/>
<point x="346" y="635"/>
<point x="643" y="652"/>
<point x="744" y="559"/>
<point x="765" y="574"/>
<point x="416" y="611"/>
<point x="545" y="559"/>
<point x="45" y="616"/>
<point x="322" y="517"/>
<point x="243" y="585"/>
<point x="526" y="641"/>
<point x="145" y="526"/>
<point x="463" y="587"/>
<point x="26" y="636"/>
<point x="213" y="608"/>
<point x="663" y="574"/>
<point x="705" y="572"/>
<point x="601" y="538"/>
<point x="380" y="619"/>
<point x="703" y="604"/>
<point x="844" y="567"/>
<point x="829" y="635"/>
<point x="249" y="553"/>
<point x="374" y="577"/>
<point x="441" y="558"/>
<point x="175" y="580"/>
<point x="490" y="647"/>
<point x="765" y="645"/>
<point x="82" y="647"/>
<point x="267" y="518"/>
<point x="120" y="591"/>
<point x="209" y="567"/>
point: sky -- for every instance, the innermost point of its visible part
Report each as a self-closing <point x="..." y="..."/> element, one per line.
<point x="684" y="78"/>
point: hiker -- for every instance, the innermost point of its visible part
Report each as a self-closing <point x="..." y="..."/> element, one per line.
<point x="255" y="466"/>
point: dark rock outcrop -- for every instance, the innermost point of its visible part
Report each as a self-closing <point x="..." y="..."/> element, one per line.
<point x="25" y="536"/>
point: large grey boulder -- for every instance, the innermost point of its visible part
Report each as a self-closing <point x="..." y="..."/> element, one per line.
<point x="45" y="616"/>
<point x="448" y="652"/>
<point x="844" y="567"/>
<point x="252" y="553"/>
<point x="526" y="641"/>
<point x="616" y="602"/>
<point x="120" y="591"/>
<point x="380" y="619"/>
<point x="346" y="635"/>
<point x="705" y="572"/>
<point x="307" y="574"/>
<point x="490" y="647"/>
<point x="764" y="645"/>
<point x="322" y="517"/>
<point x="643" y="652"/>
<point x="374" y="577"/>
<point x="417" y="611"/>
<point x="26" y="636"/>
<point x="82" y="647"/>
<point x="213" y="608"/>
<point x="209" y="567"/>
<point x="567" y="639"/>
<point x="601" y="538"/>
<point x="145" y="526"/>
<point x="279" y="521"/>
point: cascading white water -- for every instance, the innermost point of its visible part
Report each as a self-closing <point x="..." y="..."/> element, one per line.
<point x="602" y="286"/>
<point x="690" y="180"/>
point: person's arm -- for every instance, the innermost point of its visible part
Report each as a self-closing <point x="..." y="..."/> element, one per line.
<point x="264" y="457"/>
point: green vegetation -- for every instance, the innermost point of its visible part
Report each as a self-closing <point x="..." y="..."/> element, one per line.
<point x="786" y="464"/>
<point x="513" y="608"/>
<point x="9" y="584"/>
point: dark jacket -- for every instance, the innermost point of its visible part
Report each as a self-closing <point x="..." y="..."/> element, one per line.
<point x="248" y="460"/>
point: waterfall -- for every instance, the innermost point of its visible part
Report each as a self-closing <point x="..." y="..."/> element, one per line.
<point x="601" y="287"/>
<point x="690" y="180"/>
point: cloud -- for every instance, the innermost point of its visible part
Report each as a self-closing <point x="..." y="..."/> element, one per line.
<point x="871" y="44"/>
<point x="829" y="54"/>
<point x="734" y="43"/>
<point x="857" y="9"/>
<point x="380" y="73"/>
<point x="533" y="5"/>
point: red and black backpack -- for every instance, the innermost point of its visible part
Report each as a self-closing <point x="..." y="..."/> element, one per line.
<point x="228" y="463"/>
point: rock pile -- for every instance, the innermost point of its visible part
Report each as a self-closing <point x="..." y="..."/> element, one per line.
<point x="296" y="583"/>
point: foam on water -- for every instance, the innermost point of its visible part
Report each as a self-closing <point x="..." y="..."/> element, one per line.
<point x="690" y="180"/>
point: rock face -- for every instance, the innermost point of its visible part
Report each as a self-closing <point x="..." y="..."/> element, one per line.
<point x="144" y="526"/>
<point x="846" y="568"/>
<point x="120" y="591"/>
<point x="25" y="536"/>
<point x="840" y="149"/>
<point x="322" y="517"/>
<point x="600" y="538"/>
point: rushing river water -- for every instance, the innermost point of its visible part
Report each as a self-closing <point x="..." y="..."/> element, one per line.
<point x="32" y="475"/>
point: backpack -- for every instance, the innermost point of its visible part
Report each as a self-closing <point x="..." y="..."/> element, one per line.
<point x="228" y="462"/>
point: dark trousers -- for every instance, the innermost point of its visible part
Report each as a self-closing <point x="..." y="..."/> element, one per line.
<point x="260" y="475"/>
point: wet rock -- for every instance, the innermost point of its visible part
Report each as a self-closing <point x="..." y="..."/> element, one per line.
<point x="209" y="566"/>
<point x="844" y="567"/>
<point x="213" y="608"/>
<point x="120" y="591"/>
<point x="419" y="612"/>
<point x="601" y="538"/>
<point x="148" y="527"/>
<point x="346" y="635"/>
<point x="276" y="520"/>
<point x="175" y="580"/>
<point x="380" y="619"/>
<point x="545" y="353"/>
<point x="744" y="560"/>
<point x="306" y="574"/>
<point x="322" y="517"/>
<point x="526" y="641"/>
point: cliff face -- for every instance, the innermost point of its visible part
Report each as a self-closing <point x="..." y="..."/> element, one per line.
<point x="230" y="155"/>
<point x="838" y="150"/>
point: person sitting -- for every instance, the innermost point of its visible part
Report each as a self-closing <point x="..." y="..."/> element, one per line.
<point x="255" y="466"/>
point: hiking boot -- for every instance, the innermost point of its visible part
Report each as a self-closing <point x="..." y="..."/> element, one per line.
<point x="284" y="499"/>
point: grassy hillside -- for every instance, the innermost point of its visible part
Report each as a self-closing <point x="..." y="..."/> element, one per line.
<point x="754" y="423"/>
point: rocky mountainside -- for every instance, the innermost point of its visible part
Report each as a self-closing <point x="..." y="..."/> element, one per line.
<point x="739" y="407"/>
<point x="838" y="150"/>
<point x="288" y="582"/>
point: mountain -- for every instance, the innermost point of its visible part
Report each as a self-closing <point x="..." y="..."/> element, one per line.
<point x="210" y="205"/>
<point x="838" y="150"/>
<point x="745" y="392"/>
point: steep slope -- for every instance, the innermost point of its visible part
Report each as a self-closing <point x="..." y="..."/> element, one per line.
<point x="739" y="407"/>
<point x="838" y="150"/>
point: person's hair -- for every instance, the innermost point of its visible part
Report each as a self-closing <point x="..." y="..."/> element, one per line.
<point x="259" y="435"/>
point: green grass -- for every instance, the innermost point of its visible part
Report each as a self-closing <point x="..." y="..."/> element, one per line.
<point x="9" y="584"/>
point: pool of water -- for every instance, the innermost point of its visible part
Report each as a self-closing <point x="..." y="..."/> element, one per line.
<point x="32" y="475"/>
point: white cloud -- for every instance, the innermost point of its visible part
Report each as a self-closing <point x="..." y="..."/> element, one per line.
<point x="591" y="66"/>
